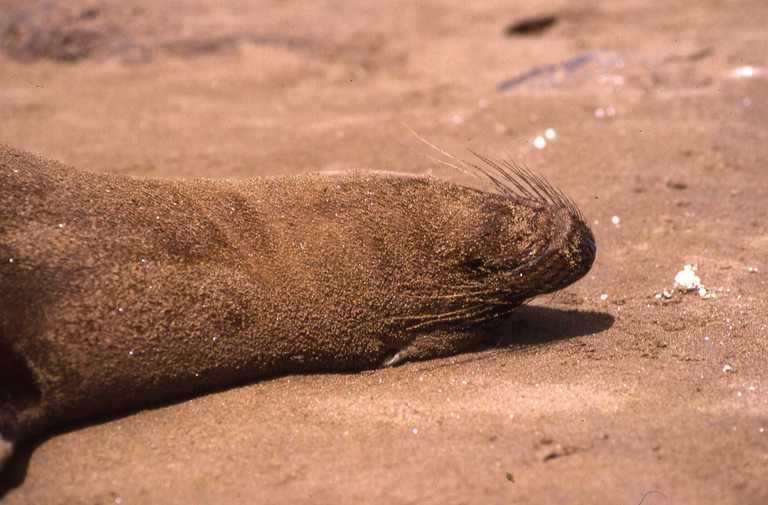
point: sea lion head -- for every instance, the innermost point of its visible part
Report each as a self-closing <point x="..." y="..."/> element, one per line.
<point x="489" y="252"/>
<point x="536" y="240"/>
<point x="499" y="249"/>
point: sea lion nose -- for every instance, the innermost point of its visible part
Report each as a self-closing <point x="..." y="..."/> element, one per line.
<point x="588" y="247"/>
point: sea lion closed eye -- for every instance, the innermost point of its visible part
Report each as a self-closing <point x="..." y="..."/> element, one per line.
<point x="118" y="292"/>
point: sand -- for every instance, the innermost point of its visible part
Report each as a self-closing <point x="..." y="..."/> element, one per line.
<point x="603" y="393"/>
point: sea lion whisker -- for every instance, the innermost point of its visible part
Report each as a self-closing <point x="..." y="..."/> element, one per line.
<point x="559" y="197"/>
<point x="450" y="313"/>
<point x="483" y="306"/>
<point x="443" y="152"/>
<point x="569" y="203"/>
<point x="469" y="315"/>
<point x="484" y="174"/>
<point x="520" y="177"/>
<point x="540" y="182"/>
<point x="454" y="315"/>
<point x="480" y="316"/>
<point x="515" y="274"/>
<point x="521" y="190"/>
<point x="503" y="188"/>
<point x="464" y="294"/>
<point x="496" y="315"/>
<point x="509" y="191"/>
<point x="462" y="166"/>
<point x="531" y="193"/>
<point x="472" y="285"/>
<point x="452" y="165"/>
<point x="530" y="180"/>
<point x="451" y="296"/>
<point x="524" y="182"/>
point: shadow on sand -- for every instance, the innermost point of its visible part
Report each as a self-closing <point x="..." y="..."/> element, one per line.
<point x="528" y="326"/>
<point x="532" y="326"/>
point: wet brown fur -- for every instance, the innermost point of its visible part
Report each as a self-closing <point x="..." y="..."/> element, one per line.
<point x="117" y="292"/>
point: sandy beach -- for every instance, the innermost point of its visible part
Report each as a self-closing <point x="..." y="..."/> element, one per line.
<point x="652" y="116"/>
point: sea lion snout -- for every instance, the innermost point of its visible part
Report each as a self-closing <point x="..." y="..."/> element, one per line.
<point x="578" y="249"/>
<point x="569" y="255"/>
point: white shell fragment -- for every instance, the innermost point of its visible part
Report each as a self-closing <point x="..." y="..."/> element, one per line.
<point x="687" y="278"/>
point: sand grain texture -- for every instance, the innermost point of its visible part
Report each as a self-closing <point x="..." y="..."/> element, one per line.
<point x="590" y="400"/>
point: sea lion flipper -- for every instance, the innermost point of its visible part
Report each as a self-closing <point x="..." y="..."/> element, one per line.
<point x="8" y="432"/>
<point x="435" y="345"/>
<point x="6" y="450"/>
<point x="397" y="358"/>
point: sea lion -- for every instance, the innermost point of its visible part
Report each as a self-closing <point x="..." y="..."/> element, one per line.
<point x="119" y="292"/>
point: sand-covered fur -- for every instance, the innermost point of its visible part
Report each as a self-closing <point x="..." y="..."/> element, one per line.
<point x="116" y="292"/>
